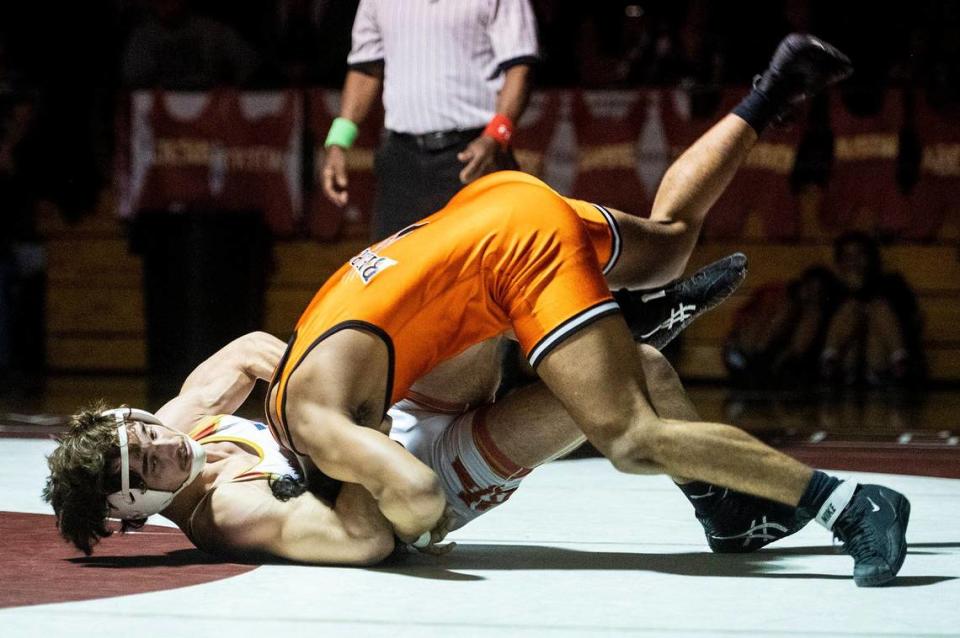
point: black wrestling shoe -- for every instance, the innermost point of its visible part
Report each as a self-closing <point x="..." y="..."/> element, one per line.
<point x="658" y="315"/>
<point x="873" y="528"/>
<point x="801" y="67"/>
<point x="738" y="523"/>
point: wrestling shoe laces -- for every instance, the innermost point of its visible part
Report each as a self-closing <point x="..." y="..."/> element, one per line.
<point x="873" y="529"/>
<point x="656" y="316"/>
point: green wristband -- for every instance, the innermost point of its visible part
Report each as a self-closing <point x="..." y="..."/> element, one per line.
<point x="342" y="132"/>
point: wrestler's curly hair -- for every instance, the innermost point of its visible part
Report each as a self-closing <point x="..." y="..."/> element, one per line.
<point x="287" y="486"/>
<point x="82" y="476"/>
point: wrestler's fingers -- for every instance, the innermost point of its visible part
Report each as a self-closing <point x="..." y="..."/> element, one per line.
<point x="471" y="170"/>
<point x="334" y="178"/>
<point x="441" y="549"/>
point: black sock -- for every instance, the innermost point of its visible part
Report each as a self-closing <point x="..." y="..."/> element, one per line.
<point x="820" y="487"/>
<point x="757" y="109"/>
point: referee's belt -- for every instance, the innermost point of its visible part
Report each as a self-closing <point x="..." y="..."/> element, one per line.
<point x="437" y="140"/>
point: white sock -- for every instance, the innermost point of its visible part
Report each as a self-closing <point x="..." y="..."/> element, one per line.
<point x="835" y="504"/>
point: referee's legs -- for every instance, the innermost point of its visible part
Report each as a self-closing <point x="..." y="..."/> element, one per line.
<point x="398" y="182"/>
<point x="413" y="183"/>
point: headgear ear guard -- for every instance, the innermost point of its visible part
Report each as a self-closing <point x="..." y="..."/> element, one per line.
<point x="130" y="504"/>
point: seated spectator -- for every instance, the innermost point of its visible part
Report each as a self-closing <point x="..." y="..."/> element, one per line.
<point x="780" y="331"/>
<point x="874" y="336"/>
<point x="178" y="50"/>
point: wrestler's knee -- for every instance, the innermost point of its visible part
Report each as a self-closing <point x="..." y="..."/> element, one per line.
<point x="636" y="449"/>
<point x="656" y="368"/>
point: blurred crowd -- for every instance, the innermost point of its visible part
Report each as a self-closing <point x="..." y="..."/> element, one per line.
<point x="63" y="66"/>
<point x="601" y="43"/>
<point x="853" y="325"/>
<point x="67" y="61"/>
<point x="64" y="63"/>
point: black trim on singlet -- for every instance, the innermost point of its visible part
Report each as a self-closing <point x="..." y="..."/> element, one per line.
<point x="570" y="327"/>
<point x="276" y="378"/>
<point x="353" y="324"/>
<point x="409" y="229"/>
<point x="617" y="248"/>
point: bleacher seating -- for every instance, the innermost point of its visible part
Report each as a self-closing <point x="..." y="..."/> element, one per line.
<point x="95" y="316"/>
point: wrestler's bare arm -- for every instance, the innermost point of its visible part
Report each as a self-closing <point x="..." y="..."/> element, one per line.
<point x="242" y="518"/>
<point x="470" y="378"/>
<point x="406" y="490"/>
<point x="334" y="405"/>
<point x="222" y="383"/>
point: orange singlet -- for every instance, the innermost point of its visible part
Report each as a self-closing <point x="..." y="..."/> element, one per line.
<point x="506" y="252"/>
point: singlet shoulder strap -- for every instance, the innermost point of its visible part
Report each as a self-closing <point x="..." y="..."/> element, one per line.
<point x="205" y="427"/>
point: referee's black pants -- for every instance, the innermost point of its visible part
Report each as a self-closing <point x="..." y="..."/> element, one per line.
<point x="415" y="178"/>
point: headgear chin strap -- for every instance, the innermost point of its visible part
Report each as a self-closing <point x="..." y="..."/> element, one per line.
<point x="133" y="504"/>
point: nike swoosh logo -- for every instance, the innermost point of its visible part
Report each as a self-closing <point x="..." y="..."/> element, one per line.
<point x="876" y="508"/>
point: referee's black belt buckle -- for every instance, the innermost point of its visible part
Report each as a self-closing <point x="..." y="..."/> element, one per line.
<point x="439" y="140"/>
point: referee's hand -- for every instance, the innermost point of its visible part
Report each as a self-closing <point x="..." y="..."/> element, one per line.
<point x="479" y="156"/>
<point x="335" y="175"/>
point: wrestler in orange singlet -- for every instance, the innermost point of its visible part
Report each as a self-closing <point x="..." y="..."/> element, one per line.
<point x="506" y="252"/>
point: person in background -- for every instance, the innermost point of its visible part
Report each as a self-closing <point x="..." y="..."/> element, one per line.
<point x="177" y="49"/>
<point x="779" y="333"/>
<point x="874" y="337"/>
<point x="450" y="107"/>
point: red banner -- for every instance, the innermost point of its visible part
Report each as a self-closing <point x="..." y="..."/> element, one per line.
<point x="862" y="191"/>
<point x="937" y="192"/>
<point x="608" y="125"/>
<point x="536" y="130"/>
<point x="225" y="150"/>
<point x="217" y="150"/>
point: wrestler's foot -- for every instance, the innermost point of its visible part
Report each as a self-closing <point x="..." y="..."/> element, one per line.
<point x="736" y="523"/>
<point x="657" y="315"/>
<point x="873" y="529"/>
<point x="801" y="67"/>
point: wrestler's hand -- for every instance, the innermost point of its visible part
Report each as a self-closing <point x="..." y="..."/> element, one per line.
<point x="437" y="534"/>
<point x="334" y="175"/>
<point x="479" y="156"/>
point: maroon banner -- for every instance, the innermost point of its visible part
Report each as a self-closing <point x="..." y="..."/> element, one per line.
<point x="217" y="150"/>
<point x="936" y="196"/>
<point x="862" y="192"/>
<point x="224" y="150"/>
<point x="608" y="124"/>
<point x="758" y="203"/>
<point x="538" y="136"/>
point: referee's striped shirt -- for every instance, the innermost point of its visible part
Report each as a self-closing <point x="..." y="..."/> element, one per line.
<point x="443" y="59"/>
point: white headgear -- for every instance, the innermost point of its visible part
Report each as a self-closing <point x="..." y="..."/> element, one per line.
<point x="130" y="504"/>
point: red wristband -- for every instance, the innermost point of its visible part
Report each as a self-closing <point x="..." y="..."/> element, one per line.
<point x="500" y="129"/>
